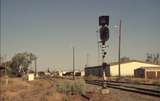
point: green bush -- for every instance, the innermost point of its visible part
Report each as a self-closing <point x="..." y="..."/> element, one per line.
<point x="71" y="87"/>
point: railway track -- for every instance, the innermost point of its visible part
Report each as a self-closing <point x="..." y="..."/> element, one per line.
<point x="142" y="89"/>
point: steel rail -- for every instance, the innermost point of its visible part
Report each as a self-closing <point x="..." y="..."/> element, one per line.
<point x="126" y="87"/>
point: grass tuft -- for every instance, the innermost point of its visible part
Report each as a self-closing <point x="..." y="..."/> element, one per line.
<point x="71" y="87"/>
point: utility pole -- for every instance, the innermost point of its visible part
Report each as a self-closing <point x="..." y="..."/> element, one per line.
<point x="5" y="65"/>
<point x="98" y="53"/>
<point x="119" y="50"/>
<point x="87" y="59"/>
<point x="35" y="64"/>
<point x="73" y="63"/>
<point x="0" y="38"/>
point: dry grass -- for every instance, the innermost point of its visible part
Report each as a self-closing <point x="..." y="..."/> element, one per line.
<point x="45" y="90"/>
<point x="37" y="90"/>
<point x="71" y="87"/>
<point x="20" y="90"/>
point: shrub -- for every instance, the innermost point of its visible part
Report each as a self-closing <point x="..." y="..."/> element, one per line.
<point x="71" y="87"/>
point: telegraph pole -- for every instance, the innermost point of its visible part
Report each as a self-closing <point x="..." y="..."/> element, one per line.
<point x="35" y="64"/>
<point x="87" y="59"/>
<point x="0" y="37"/>
<point x="119" y="50"/>
<point x="98" y="53"/>
<point x="73" y="63"/>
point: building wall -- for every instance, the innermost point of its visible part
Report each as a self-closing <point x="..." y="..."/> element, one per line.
<point x="158" y="74"/>
<point x="152" y="73"/>
<point x="82" y="73"/>
<point x="140" y="73"/>
<point x="127" y="69"/>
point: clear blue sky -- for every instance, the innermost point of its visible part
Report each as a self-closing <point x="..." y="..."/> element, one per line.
<point x="49" y="29"/>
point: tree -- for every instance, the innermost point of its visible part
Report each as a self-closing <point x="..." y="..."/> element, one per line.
<point x="7" y="64"/>
<point x="156" y="58"/>
<point x="1" y="60"/>
<point x="21" y="62"/>
<point x="124" y="59"/>
<point x="152" y="58"/>
<point x="149" y="58"/>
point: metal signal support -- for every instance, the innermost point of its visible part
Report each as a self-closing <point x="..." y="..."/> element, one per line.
<point x="104" y="37"/>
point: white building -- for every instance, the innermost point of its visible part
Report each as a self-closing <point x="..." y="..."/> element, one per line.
<point x="127" y="68"/>
<point x="82" y="73"/>
<point x="30" y="76"/>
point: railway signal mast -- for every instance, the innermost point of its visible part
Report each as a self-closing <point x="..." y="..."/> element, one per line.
<point x="104" y="37"/>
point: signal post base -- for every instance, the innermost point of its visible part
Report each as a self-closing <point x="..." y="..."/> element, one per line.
<point x="105" y="91"/>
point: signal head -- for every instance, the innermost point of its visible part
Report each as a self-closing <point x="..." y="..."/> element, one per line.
<point x="104" y="34"/>
<point x="103" y="20"/>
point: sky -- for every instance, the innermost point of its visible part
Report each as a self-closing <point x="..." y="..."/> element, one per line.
<point x="50" y="28"/>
